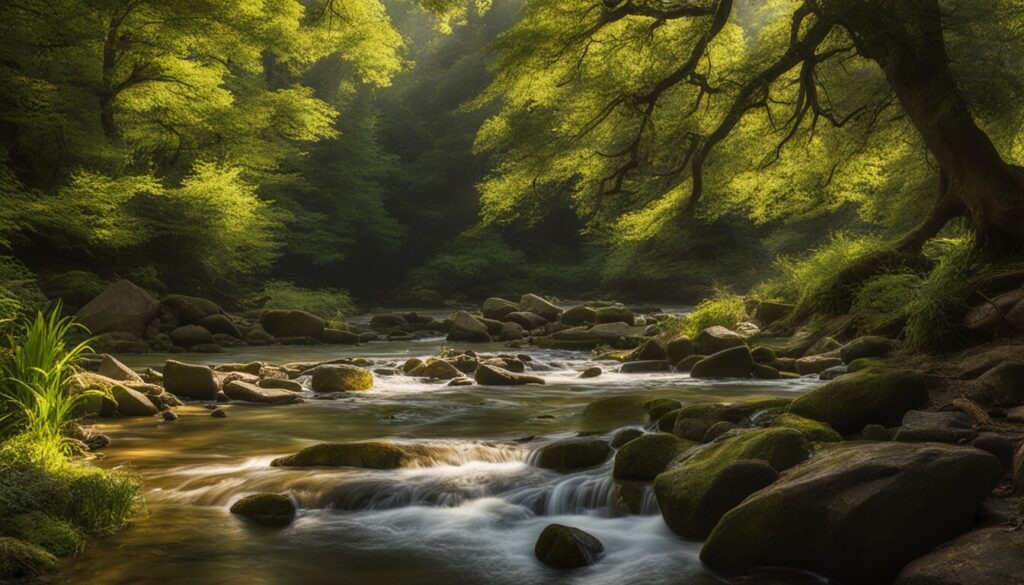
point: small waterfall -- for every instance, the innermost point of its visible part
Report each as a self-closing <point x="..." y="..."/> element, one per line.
<point x="462" y="453"/>
<point x="577" y="495"/>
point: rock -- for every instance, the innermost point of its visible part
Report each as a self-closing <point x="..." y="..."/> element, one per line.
<point x="189" y="336"/>
<point x="856" y="514"/>
<point x="437" y="369"/>
<point x="121" y="307"/>
<point x="989" y="555"/>
<point x="645" y="367"/>
<point x="591" y="372"/>
<point x="717" y="430"/>
<point x="341" y="378"/>
<point x="218" y="413"/>
<point x="764" y="355"/>
<point x="219" y="323"/>
<point x="511" y="331"/>
<point x="864" y="364"/>
<point x="170" y="416"/>
<point x="717" y="338"/>
<point x="921" y="426"/>
<point x="833" y="372"/>
<point x="190" y="310"/>
<point x="659" y="407"/>
<point x="763" y="372"/>
<point x="992" y="319"/>
<point x="531" y="303"/>
<point x="388" y="322"/>
<point x="340" y="337"/>
<point x="120" y="342"/>
<point x="679" y="349"/>
<point x="488" y="375"/>
<point x="1003" y="385"/>
<point x="493" y="326"/>
<point x="131" y="402"/>
<point x="112" y="368"/>
<point x="564" y="547"/>
<point x="580" y="315"/>
<point x="878" y="396"/>
<point x="19" y="559"/>
<point x="694" y="420"/>
<point x="189" y="380"/>
<point x="497" y="308"/>
<point x="648" y="350"/>
<point x="624" y="436"/>
<point x="363" y="454"/>
<point x="224" y="340"/>
<point x="247" y="392"/>
<point x="812" y="429"/>
<point x="997" y="445"/>
<point x="735" y="362"/>
<point x="645" y="457"/>
<point x="571" y="454"/>
<point x="257" y="335"/>
<point x="869" y="346"/>
<point x="265" y="509"/>
<point x="526" y="320"/>
<point x="411" y="364"/>
<point x="816" y="364"/>
<point x="875" y="433"/>
<point x="1018" y="471"/>
<point x="281" y="323"/>
<point x="769" y="312"/>
<point x="505" y="363"/>
<point x="605" y="414"/>
<point x="615" y="314"/>
<point x="695" y="495"/>
<point x="687" y="363"/>
<point x="466" y="328"/>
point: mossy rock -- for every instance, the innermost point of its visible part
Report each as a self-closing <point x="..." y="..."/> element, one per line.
<point x="365" y="454"/>
<point x="734" y="362"/>
<point x="864" y="364"/>
<point x="20" y="559"/>
<point x="812" y="429"/>
<point x="341" y="378"/>
<point x="645" y="457"/>
<point x="764" y="355"/>
<point x="694" y="420"/>
<point x="763" y="372"/>
<point x="624" y="436"/>
<point x="875" y="395"/>
<point x="875" y="433"/>
<point x="869" y="346"/>
<point x="611" y="413"/>
<point x="59" y="538"/>
<point x="717" y="430"/>
<point x="659" y="406"/>
<point x="667" y="421"/>
<point x="572" y="454"/>
<point x="435" y="368"/>
<point x="565" y="547"/>
<point x="688" y="494"/>
<point x="265" y="509"/>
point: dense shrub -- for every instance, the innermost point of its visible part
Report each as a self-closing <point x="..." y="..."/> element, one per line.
<point x="935" y="315"/>
<point x="881" y="305"/>
<point x="327" y="303"/>
<point x="723" y="309"/>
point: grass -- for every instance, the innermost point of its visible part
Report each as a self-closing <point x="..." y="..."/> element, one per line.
<point x="329" y="304"/>
<point x="723" y="309"/>
<point x="881" y="305"/>
<point x="935" y="316"/>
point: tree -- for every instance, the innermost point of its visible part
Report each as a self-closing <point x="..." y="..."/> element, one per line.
<point x="657" y="105"/>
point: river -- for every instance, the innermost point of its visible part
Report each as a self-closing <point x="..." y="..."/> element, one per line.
<point x="471" y="517"/>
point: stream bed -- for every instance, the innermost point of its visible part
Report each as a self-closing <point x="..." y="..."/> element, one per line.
<point x="469" y="515"/>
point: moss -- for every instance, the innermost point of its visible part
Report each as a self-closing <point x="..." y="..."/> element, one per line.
<point x="571" y="454"/>
<point x="624" y="436"/>
<point x="717" y="430"/>
<point x="812" y="429"/>
<point x="20" y="559"/>
<point x="366" y="454"/>
<point x="645" y="457"/>
<point x="59" y="538"/>
<point x="564" y="547"/>
<point x="864" y="364"/>
<point x="874" y="433"/>
<point x="764" y="355"/>
<point x="667" y="422"/>
<point x="877" y="395"/>
<point x="683" y="492"/>
<point x="659" y="407"/>
<point x="695" y="420"/>
<point x="341" y="378"/>
<point x="265" y="509"/>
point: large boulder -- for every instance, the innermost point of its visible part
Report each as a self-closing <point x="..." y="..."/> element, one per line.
<point x="496" y="308"/>
<point x="248" y="392"/>
<point x="990" y="555"/>
<point x="531" y="303"/>
<point x="265" y="509"/>
<point x="769" y="312"/>
<point x="341" y="378"/>
<point x="735" y="362"/>
<point x="121" y="307"/>
<point x="490" y="375"/>
<point x="679" y="349"/>
<point x="190" y="380"/>
<point x="525" y="319"/>
<point x="695" y="495"/>
<point x="717" y="338"/>
<point x="511" y="332"/>
<point x="465" y="327"/>
<point x="572" y="454"/>
<point x="437" y="369"/>
<point x="615" y="314"/>
<point x="646" y="456"/>
<point x="565" y="547"/>
<point x="856" y="514"/>
<point x="872" y="396"/>
<point x="920" y="426"/>
<point x="869" y="346"/>
<point x="112" y="368"/>
<point x="189" y="336"/>
<point x="1003" y="385"/>
<point x="281" y="323"/>
<point x="605" y="414"/>
<point x="190" y="310"/>
<point x="219" y="323"/>
<point x="132" y="402"/>
<point x="364" y="454"/>
<point x="580" y="315"/>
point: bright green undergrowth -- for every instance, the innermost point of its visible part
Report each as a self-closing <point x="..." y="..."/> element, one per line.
<point x="935" y="314"/>
<point x="328" y="303"/>
<point x="724" y="309"/>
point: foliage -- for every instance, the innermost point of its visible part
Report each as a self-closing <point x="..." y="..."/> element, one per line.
<point x="327" y="303"/>
<point x="935" y="315"/>
<point x="34" y="375"/>
<point x="881" y="305"/>
<point x="723" y="309"/>
<point x="57" y="537"/>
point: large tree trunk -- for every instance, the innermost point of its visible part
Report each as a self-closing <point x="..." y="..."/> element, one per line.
<point x="905" y="38"/>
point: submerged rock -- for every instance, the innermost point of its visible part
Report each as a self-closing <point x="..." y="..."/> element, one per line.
<point x="341" y="378"/>
<point x="265" y="509"/>
<point x="646" y="456"/>
<point x="605" y="414"/>
<point x="856" y="514"/>
<point x="875" y="395"/>
<point x="591" y="372"/>
<point x="572" y="454"/>
<point x="488" y="375"/>
<point x="365" y="454"/>
<point x="565" y="547"/>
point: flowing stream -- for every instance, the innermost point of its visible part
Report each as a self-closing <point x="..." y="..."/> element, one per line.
<point x="468" y="512"/>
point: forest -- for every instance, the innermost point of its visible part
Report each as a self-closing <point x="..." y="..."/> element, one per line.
<point x="506" y="291"/>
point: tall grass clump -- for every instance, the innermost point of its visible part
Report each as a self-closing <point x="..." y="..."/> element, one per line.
<point x="330" y="304"/>
<point x="935" y="316"/>
<point x="881" y="305"/>
<point x="723" y="309"/>
<point x="35" y="369"/>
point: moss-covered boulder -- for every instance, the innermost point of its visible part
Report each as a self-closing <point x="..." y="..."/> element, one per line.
<point x="341" y="378"/>
<point x="879" y="396"/>
<point x="490" y="375"/>
<point x="605" y="414"/>
<point x="693" y="421"/>
<point x="812" y="429"/>
<point x="340" y="337"/>
<point x="764" y="355"/>
<point x="763" y="372"/>
<point x="280" y="384"/>
<point x="59" y="538"/>
<point x="565" y="547"/>
<point x="645" y="457"/>
<point x="864" y="364"/>
<point x="659" y="406"/>
<point x="717" y="338"/>
<point x="856" y="514"/>
<point x="679" y="349"/>
<point x="580" y="315"/>
<point x="718" y="429"/>
<point x="572" y="454"/>
<point x="265" y="509"/>
<point x="624" y="436"/>
<point x="735" y="362"/>
<point x="869" y="346"/>
<point x="435" y="368"/>
<point x="19" y="559"/>
<point x="667" y="422"/>
<point x="688" y="495"/>
<point x="364" y="454"/>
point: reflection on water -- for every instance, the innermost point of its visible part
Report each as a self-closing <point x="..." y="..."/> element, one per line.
<point x="469" y="511"/>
